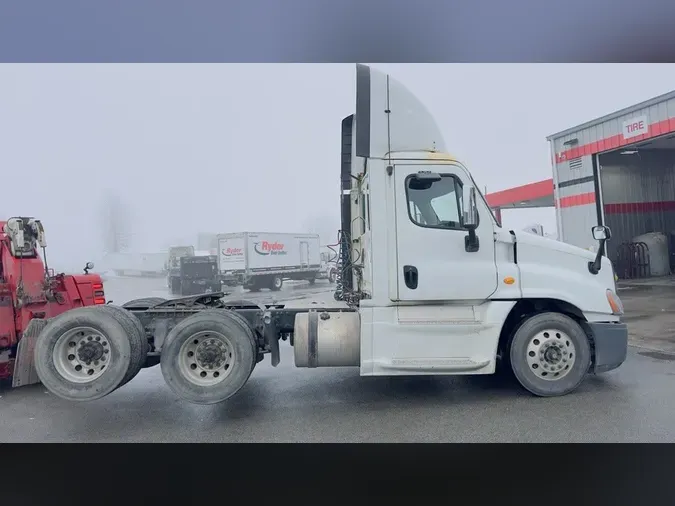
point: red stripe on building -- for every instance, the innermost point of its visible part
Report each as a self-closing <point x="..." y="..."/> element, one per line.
<point x="532" y="191"/>
<point x="544" y="189"/>
<point x="577" y="200"/>
<point x="616" y="141"/>
<point x="640" y="207"/>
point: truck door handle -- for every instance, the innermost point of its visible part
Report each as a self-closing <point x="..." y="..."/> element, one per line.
<point x="410" y="276"/>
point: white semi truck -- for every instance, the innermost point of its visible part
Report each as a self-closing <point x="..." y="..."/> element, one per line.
<point x="258" y="260"/>
<point x="329" y="264"/>
<point x="431" y="284"/>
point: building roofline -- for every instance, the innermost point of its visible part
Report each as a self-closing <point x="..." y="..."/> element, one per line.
<point x="614" y="115"/>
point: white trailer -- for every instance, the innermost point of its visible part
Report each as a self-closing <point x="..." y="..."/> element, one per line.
<point x="430" y="284"/>
<point x="136" y="264"/>
<point x="258" y="260"/>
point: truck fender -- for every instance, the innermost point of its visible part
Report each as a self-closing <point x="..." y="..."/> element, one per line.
<point x="24" y="364"/>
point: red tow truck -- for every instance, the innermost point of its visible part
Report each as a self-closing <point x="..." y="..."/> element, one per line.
<point x="30" y="293"/>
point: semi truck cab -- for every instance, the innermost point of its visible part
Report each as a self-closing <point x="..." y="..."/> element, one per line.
<point x="441" y="286"/>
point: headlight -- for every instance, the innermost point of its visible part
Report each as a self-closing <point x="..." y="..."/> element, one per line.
<point x="614" y="303"/>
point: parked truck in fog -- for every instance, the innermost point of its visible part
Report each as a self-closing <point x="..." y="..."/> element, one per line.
<point x="329" y="266"/>
<point x="173" y="266"/>
<point x="430" y="283"/>
<point x="257" y="260"/>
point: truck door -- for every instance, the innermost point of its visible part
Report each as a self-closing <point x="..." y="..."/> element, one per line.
<point x="433" y="261"/>
<point x="304" y="253"/>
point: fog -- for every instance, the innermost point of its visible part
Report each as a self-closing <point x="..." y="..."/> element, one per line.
<point x="184" y="149"/>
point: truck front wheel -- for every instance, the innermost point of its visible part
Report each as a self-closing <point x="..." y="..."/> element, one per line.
<point x="550" y="354"/>
<point x="208" y="357"/>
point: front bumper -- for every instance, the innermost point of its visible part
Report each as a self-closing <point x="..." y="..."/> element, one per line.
<point x="611" y="345"/>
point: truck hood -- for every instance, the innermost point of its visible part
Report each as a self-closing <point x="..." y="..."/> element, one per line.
<point x="551" y="269"/>
<point x="546" y="243"/>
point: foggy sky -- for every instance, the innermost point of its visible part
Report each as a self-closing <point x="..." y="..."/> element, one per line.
<point x="227" y="148"/>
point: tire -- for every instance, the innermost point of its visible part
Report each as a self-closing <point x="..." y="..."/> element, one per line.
<point x="247" y="328"/>
<point x="276" y="283"/>
<point x="543" y="347"/>
<point x="145" y="303"/>
<point x="221" y="329"/>
<point x="61" y="376"/>
<point x="137" y="339"/>
<point x="312" y="281"/>
<point x="253" y="285"/>
<point x="332" y="277"/>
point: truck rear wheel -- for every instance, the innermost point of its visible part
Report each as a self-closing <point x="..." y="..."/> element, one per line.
<point x="208" y="357"/>
<point x="276" y="283"/>
<point x="137" y="339"/>
<point x="248" y="329"/>
<point x="550" y="354"/>
<point x="83" y="354"/>
<point x="253" y="284"/>
<point x="145" y="303"/>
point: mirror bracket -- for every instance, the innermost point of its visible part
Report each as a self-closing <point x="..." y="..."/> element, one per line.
<point x="471" y="242"/>
<point x="470" y="219"/>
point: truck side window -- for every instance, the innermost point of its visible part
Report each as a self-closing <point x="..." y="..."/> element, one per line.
<point x="415" y="213"/>
<point x="437" y="205"/>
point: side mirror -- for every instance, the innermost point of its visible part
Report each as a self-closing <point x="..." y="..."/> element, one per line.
<point x="601" y="233"/>
<point x="469" y="208"/>
<point x="470" y="218"/>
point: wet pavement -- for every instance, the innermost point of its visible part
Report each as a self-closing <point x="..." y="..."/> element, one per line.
<point x="650" y="312"/>
<point x="632" y="404"/>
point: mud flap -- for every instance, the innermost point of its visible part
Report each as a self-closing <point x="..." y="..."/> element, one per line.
<point x="24" y="365"/>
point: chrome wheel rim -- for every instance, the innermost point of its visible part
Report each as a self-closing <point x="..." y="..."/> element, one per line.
<point x="81" y="355"/>
<point x="206" y="358"/>
<point x="550" y="355"/>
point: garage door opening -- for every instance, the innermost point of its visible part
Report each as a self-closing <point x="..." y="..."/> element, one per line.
<point x="637" y="185"/>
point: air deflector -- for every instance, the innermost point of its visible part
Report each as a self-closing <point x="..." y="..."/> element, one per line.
<point x="390" y="118"/>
